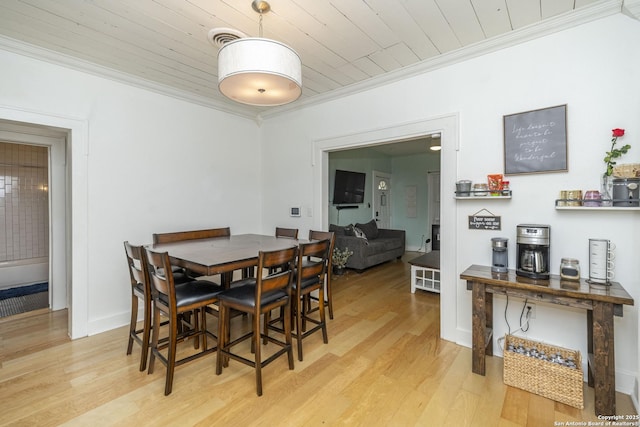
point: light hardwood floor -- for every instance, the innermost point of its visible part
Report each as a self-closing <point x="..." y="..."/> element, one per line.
<point x="384" y="366"/>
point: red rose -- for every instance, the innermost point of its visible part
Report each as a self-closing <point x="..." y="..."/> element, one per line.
<point x="618" y="132"/>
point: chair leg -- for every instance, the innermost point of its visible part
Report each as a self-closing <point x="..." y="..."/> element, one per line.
<point x="287" y="333"/>
<point x="329" y="296"/>
<point x="196" y="327"/>
<point x="133" y="322"/>
<point x="171" y="356"/>
<point x="154" y="341"/>
<point x="146" y="337"/>
<point x="267" y="321"/>
<point x="256" y="344"/>
<point x="222" y="337"/>
<point x="323" y="320"/>
<point x="297" y="315"/>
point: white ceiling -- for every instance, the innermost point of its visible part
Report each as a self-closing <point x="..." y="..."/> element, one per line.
<point x="342" y="43"/>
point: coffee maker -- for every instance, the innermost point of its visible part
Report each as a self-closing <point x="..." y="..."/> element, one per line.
<point x="533" y="251"/>
<point x="500" y="257"/>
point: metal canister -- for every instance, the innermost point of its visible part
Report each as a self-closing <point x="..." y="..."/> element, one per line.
<point x="574" y="197"/>
<point x="562" y="199"/>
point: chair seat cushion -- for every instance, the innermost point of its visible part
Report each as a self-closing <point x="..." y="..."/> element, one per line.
<point x="309" y="281"/>
<point x="194" y="292"/>
<point x="246" y="295"/>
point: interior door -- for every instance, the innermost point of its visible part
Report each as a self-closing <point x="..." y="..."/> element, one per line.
<point x="433" y="187"/>
<point x="382" y="199"/>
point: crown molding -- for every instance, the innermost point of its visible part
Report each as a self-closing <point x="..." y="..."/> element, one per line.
<point x="67" y="61"/>
<point x="531" y="32"/>
<point x="552" y="25"/>
<point x="631" y="8"/>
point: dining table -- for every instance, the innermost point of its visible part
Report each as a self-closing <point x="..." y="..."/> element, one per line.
<point x="222" y="255"/>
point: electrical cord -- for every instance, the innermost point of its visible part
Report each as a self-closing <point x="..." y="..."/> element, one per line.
<point x="505" y="314"/>
<point x="527" y="317"/>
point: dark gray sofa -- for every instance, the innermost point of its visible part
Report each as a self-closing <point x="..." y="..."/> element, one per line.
<point x="380" y="245"/>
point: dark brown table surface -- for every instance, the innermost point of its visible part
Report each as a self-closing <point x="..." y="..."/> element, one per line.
<point x="222" y="255"/>
<point x="602" y="302"/>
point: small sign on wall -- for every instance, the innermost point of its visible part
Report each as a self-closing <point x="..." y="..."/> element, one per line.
<point x="485" y="222"/>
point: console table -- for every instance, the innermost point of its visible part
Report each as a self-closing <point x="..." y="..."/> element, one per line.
<point x="601" y="303"/>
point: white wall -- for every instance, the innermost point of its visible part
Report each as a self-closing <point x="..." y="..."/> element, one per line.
<point x="592" y="68"/>
<point x="153" y="164"/>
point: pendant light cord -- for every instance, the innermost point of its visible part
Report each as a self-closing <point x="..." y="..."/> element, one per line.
<point x="260" y="25"/>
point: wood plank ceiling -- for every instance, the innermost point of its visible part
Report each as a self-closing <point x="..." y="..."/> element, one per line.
<point x="340" y="42"/>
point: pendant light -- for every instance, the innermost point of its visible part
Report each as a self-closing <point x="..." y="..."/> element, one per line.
<point x="259" y="71"/>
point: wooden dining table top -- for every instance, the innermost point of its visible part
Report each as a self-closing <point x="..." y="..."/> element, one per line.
<point x="221" y="255"/>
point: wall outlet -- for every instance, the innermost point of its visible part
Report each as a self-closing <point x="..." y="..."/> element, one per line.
<point x="533" y="310"/>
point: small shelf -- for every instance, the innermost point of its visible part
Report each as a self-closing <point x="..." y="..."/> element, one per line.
<point x="561" y="205"/>
<point x="473" y="195"/>
<point x="597" y="208"/>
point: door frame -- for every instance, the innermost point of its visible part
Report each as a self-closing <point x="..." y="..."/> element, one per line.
<point x="448" y="127"/>
<point x="76" y="208"/>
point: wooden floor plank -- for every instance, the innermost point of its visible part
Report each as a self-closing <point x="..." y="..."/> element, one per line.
<point x="384" y="365"/>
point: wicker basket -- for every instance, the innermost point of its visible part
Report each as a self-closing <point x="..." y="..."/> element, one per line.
<point x="542" y="377"/>
<point x="627" y="170"/>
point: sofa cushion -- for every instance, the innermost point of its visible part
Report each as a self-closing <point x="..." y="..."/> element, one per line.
<point x="370" y="229"/>
<point x="360" y="234"/>
<point x="338" y="229"/>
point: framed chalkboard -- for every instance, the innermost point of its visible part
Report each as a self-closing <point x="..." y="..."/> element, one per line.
<point x="536" y="141"/>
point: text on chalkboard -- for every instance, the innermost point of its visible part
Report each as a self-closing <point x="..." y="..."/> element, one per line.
<point x="477" y="222"/>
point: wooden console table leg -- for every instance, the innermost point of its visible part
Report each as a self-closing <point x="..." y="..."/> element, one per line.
<point x="479" y="327"/>
<point x="604" y="370"/>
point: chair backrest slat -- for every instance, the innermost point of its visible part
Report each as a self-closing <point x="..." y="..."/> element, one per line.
<point x="322" y="235"/>
<point x="284" y="258"/>
<point x="138" y="268"/>
<point x="191" y="235"/>
<point x="160" y="273"/>
<point x="287" y="232"/>
<point x="313" y="259"/>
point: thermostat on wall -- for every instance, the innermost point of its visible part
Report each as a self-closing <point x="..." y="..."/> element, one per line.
<point x="295" y="211"/>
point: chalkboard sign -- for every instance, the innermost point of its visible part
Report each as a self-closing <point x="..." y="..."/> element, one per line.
<point x="477" y="222"/>
<point x="536" y="141"/>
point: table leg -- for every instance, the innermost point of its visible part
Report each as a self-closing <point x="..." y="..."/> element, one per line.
<point x="479" y="328"/>
<point x="604" y="372"/>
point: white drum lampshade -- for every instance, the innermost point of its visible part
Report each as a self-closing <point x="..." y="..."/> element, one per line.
<point x="258" y="71"/>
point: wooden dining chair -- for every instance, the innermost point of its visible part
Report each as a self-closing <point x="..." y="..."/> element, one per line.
<point x="257" y="296"/>
<point x="291" y="233"/>
<point x="180" y="274"/>
<point x="173" y="300"/>
<point x="140" y="292"/>
<point x="326" y="235"/>
<point x="310" y="273"/>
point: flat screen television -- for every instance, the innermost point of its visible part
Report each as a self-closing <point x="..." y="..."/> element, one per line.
<point x="348" y="187"/>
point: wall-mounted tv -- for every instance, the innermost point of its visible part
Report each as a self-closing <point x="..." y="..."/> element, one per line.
<point x="348" y="187"/>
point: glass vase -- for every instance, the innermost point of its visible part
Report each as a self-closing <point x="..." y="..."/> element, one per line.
<point x="606" y="190"/>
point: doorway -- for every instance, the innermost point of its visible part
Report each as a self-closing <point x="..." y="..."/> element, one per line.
<point x="382" y="199"/>
<point x="42" y="242"/>
<point x="447" y="126"/>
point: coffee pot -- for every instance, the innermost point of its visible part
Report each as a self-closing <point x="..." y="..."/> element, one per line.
<point x="533" y="261"/>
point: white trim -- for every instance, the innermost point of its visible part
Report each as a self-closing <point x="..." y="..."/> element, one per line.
<point x="631" y="8"/>
<point x="448" y="127"/>
<point x="78" y="145"/>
